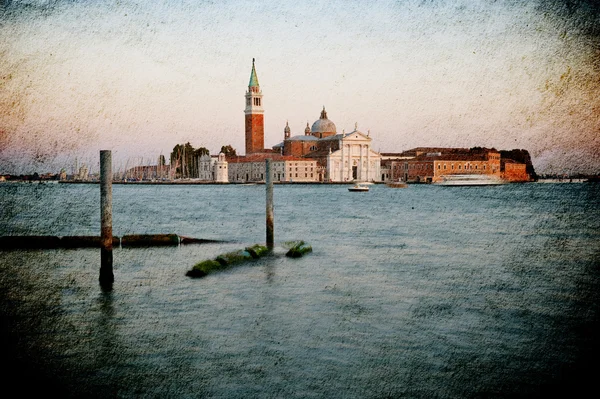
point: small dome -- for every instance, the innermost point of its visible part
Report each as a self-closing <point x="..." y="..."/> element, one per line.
<point x="323" y="125"/>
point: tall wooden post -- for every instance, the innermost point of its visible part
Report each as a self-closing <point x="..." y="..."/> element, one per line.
<point x="106" y="238"/>
<point x="269" y="189"/>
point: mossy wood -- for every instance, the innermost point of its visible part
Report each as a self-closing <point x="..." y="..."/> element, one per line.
<point x="228" y="259"/>
<point x="298" y="250"/>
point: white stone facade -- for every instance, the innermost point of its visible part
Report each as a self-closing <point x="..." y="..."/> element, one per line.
<point x="213" y="168"/>
<point x="354" y="160"/>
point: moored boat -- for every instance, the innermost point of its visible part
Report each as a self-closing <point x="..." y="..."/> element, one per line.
<point x="358" y="187"/>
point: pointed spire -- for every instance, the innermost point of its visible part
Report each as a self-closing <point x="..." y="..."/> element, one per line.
<point x="323" y="113"/>
<point x="286" y="130"/>
<point x="307" y="130"/>
<point x="253" y="77"/>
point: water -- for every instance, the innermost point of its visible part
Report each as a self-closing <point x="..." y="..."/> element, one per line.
<point x="423" y="292"/>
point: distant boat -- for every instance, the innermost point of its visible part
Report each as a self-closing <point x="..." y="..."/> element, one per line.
<point x="396" y="184"/>
<point x="358" y="187"/>
<point x="470" y="180"/>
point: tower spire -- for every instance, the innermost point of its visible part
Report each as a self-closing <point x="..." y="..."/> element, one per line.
<point x="253" y="78"/>
<point x="254" y="115"/>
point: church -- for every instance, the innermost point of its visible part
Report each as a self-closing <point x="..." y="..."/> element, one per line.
<point x="319" y="155"/>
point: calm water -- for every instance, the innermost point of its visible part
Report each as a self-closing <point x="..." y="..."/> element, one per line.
<point x="424" y="292"/>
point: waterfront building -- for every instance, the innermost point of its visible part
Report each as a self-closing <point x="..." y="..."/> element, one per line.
<point x="430" y="164"/>
<point x="514" y="171"/>
<point x="340" y="157"/>
<point x="251" y="168"/>
<point x="213" y="168"/>
<point x="320" y="154"/>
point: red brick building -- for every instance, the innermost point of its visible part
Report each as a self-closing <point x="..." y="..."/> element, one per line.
<point x="430" y="164"/>
<point x="254" y="115"/>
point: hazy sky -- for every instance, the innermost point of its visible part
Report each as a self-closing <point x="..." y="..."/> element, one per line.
<point x="138" y="77"/>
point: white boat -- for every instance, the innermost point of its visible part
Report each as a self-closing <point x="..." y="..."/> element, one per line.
<point x="358" y="187"/>
<point x="470" y="180"/>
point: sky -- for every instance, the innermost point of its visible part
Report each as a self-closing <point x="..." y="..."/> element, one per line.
<point x="139" y="77"/>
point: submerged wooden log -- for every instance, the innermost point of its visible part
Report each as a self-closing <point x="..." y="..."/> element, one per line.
<point x="29" y="242"/>
<point x="298" y="250"/>
<point x="150" y="240"/>
<point x="190" y="240"/>
<point x="85" y="242"/>
<point x="134" y="240"/>
<point x="232" y="258"/>
<point x="203" y="268"/>
<point x="227" y="260"/>
<point x="257" y="251"/>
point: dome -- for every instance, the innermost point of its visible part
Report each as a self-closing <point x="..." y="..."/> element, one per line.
<point x="323" y="125"/>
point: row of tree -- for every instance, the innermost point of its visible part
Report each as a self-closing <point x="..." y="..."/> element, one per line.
<point x="185" y="158"/>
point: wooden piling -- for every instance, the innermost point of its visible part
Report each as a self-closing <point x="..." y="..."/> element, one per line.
<point x="106" y="239"/>
<point x="269" y="189"/>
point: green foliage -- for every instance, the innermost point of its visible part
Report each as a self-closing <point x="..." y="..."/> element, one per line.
<point x="257" y="251"/>
<point x="185" y="158"/>
<point x="201" y="151"/>
<point x="521" y="156"/>
<point x="229" y="151"/>
<point x="298" y="250"/>
<point x="228" y="259"/>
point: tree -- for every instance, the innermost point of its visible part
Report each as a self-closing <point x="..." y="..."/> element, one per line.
<point x="521" y="156"/>
<point x="229" y="151"/>
<point x="201" y="151"/>
<point x="183" y="158"/>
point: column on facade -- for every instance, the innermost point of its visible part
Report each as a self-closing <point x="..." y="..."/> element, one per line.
<point x="361" y="164"/>
<point x="349" y="161"/>
<point x="368" y="163"/>
<point x="342" y="161"/>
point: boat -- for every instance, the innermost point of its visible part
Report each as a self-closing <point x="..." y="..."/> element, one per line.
<point x="469" y="180"/>
<point x="397" y="184"/>
<point x="358" y="187"/>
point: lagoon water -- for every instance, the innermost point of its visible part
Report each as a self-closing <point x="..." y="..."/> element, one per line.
<point x="422" y="292"/>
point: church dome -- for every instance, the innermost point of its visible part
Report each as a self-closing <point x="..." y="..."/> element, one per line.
<point x="323" y="125"/>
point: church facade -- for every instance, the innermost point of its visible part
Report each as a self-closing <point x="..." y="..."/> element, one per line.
<point x="341" y="157"/>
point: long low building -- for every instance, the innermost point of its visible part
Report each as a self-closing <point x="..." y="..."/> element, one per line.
<point x="429" y="165"/>
<point x="286" y="168"/>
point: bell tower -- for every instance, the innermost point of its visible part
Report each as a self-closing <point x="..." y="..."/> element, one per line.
<point x="254" y="113"/>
